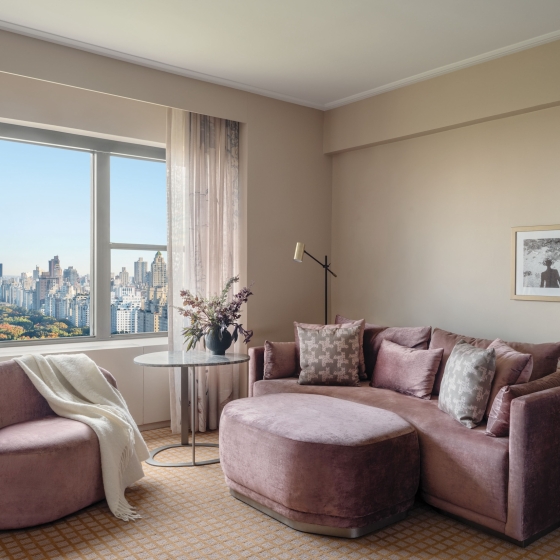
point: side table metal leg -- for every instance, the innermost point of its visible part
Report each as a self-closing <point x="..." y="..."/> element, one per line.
<point x="184" y="406"/>
<point x="194" y="409"/>
<point x="185" y="425"/>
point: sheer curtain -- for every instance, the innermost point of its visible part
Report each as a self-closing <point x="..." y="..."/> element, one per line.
<point x="203" y="207"/>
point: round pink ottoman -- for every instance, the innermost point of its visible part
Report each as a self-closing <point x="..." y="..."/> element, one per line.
<point x="320" y="464"/>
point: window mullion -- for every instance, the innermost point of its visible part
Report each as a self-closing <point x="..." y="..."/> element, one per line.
<point x="102" y="251"/>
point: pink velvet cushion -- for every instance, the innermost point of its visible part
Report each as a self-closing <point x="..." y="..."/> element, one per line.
<point x="545" y="355"/>
<point x="511" y="367"/>
<point x="361" y="323"/>
<point x="279" y="359"/>
<point x="406" y="370"/>
<point x="498" y="420"/>
<point x="374" y="335"/>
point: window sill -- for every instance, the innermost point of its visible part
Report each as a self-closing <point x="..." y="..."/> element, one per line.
<point x="81" y="346"/>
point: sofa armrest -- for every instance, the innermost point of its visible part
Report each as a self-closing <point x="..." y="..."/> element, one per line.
<point x="256" y="366"/>
<point x="534" y="465"/>
<point x="109" y="377"/>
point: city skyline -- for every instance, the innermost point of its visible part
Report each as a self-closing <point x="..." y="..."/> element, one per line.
<point x="54" y="302"/>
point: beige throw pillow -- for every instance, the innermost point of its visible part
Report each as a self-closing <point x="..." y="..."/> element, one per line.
<point x="466" y="383"/>
<point x="329" y="355"/>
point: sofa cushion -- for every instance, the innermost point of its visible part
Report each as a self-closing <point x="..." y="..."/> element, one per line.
<point x="374" y="335"/>
<point x="511" y="367"/>
<point x="360" y="322"/>
<point x="329" y="355"/>
<point x="467" y="382"/>
<point x="448" y="469"/>
<point x="498" y="421"/>
<point x="406" y="370"/>
<point x="279" y="359"/>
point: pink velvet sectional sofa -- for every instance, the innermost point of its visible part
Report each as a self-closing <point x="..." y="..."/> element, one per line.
<point x="509" y="486"/>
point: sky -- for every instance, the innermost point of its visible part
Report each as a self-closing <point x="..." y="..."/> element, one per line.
<point x="45" y="204"/>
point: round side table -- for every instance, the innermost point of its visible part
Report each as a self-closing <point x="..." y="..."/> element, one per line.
<point x="187" y="361"/>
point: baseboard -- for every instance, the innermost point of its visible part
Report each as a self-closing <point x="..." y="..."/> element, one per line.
<point x="154" y="426"/>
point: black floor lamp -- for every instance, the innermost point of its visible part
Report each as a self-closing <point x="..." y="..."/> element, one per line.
<point x="298" y="257"/>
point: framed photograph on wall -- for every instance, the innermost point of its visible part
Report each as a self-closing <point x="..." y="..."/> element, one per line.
<point x="536" y="263"/>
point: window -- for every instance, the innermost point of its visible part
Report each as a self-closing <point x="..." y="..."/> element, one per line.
<point x="82" y="237"/>
<point x="138" y="250"/>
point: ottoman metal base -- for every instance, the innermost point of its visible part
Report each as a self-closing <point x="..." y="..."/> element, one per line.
<point x="352" y="533"/>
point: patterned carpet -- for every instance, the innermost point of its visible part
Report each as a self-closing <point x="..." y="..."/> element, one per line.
<point x="189" y="514"/>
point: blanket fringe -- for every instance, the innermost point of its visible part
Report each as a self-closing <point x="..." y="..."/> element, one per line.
<point x="124" y="510"/>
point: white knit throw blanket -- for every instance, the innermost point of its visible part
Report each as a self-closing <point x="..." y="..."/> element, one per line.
<point x="75" y="388"/>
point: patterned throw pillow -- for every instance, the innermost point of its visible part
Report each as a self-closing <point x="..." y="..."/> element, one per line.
<point x="329" y="355"/>
<point x="466" y="383"/>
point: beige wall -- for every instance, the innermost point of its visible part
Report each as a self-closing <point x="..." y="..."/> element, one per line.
<point x="421" y="227"/>
<point x="285" y="175"/>
<point x="25" y="100"/>
<point x="520" y="82"/>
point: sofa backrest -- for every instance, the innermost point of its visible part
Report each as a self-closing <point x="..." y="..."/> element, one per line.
<point x="19" y="400"/>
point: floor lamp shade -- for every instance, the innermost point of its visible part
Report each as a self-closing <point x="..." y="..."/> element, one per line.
<point x="298" y="255"/>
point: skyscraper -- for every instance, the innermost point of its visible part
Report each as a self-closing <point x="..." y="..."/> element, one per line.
<point x="54" y="267"/>
<point x="159" y="271"/>
<point x="55" y="273"/>
<point x="71" y="275"/>
<point x="125" y="277"/>
<point x="1" y="270"/>
<point x="140" y="271"/>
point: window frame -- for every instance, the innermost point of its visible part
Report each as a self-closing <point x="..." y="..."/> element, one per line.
<point x="101" y="150"/>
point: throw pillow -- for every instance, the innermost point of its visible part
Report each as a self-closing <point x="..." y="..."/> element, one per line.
<point x="329" y="355"/>
<point x="279" y="360"/>
<point x="499" y="418"/>
<point x="359" y="322"/>
<point x="374" y="335"/>
<point x="545" y="356"/>
<point x="511" y="367"/>
<point x="467" y="382"/>
<point x="447" y="341"/>
<point x="406" y="370"/>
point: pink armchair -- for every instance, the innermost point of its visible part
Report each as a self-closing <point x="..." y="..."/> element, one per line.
<point x="49" y="466"/>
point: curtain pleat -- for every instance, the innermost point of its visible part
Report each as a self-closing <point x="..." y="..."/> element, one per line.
<point x="203" y="245"/>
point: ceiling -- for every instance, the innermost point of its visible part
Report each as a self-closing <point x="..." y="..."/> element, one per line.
<point x="319" y="53"/>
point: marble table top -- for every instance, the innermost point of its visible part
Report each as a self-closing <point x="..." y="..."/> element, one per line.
<point x="188" y="359"/>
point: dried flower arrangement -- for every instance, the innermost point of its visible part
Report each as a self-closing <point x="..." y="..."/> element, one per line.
<point x="212" y="316"/>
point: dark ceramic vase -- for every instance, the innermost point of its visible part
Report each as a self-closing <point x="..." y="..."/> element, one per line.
<point x="218" y="345"/>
